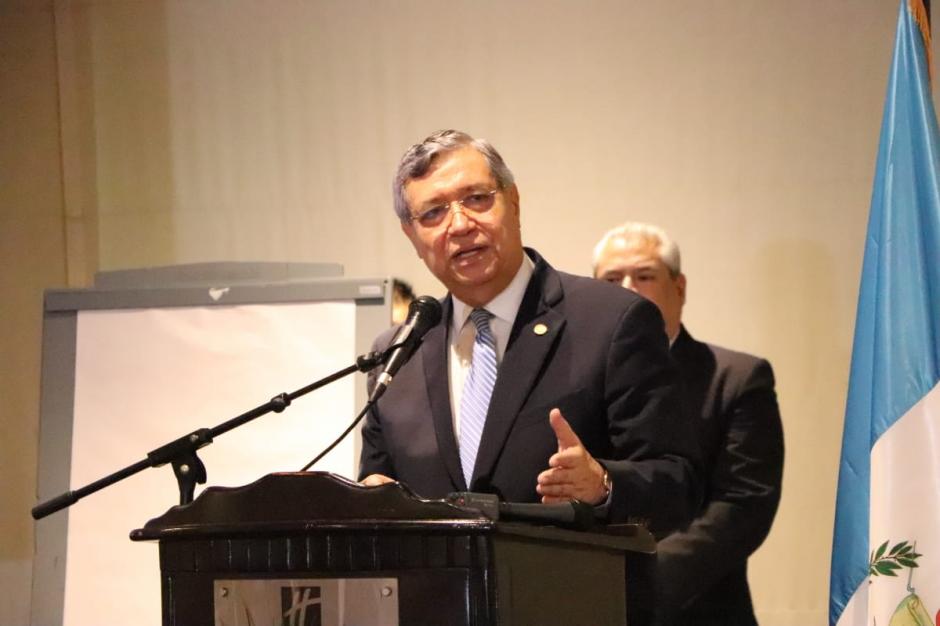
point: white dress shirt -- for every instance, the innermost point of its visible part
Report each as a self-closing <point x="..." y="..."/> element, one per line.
<point x="504" y="308"/>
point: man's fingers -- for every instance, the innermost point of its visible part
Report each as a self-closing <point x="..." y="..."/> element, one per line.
<point x="555" y="490"/>
<point x="555" y="476"/>
<point x="563" y="432"/>
<point x="568" y="458"/>
<point x="374" y="480"/>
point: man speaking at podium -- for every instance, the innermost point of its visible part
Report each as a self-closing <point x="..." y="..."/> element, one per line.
<point x="536" y="385"/>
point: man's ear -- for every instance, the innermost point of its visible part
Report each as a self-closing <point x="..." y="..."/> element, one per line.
<point x="513" y="194"/>
<point x="681" y="284"/>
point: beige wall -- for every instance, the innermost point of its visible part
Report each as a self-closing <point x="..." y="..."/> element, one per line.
<point x="32" y="257"/>
<point x="171" y="132"/>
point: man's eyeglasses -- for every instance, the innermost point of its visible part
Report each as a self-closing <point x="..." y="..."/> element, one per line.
<point x="475" y="202"/>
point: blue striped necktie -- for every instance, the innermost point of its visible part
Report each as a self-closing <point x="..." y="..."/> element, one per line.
<point x="477" y="391"/>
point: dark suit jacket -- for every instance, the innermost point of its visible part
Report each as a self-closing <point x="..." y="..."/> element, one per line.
<point x="703" y="569"/>
<point x="603" y="361"/>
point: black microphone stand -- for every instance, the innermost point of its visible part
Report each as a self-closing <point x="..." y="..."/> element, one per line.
<point x="181" y="453"/>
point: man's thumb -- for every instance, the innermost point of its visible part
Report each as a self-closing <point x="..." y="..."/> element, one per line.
<point x="563" y="432"/>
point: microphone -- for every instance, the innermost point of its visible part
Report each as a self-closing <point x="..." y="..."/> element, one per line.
<point x="575" y="515"/>
<point x="424" y="312"/>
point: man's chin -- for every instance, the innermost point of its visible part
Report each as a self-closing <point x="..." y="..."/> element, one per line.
<point x="476" y="278"/>
<point x="476" y="270"/>
<point x="468" y="286"/>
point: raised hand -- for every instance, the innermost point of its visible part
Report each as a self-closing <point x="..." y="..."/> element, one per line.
<point x="572" y="474"/>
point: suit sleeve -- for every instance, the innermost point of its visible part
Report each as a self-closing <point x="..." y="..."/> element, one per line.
<point x="654" y="468"/>
<point x="374" y="458"/>
<point x="743" y="494"/>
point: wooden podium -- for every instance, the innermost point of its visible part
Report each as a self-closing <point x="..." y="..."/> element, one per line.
<point x="306" y="549"/>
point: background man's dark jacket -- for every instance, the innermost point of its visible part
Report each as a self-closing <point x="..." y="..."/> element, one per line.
<point x="703" y="569"/>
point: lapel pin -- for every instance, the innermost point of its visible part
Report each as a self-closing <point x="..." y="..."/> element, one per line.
<point x="540" y="329"/>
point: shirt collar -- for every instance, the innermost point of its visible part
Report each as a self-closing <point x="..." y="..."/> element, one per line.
<point x="504" y="306"/>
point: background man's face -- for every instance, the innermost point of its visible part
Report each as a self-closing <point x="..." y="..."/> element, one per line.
<point x="637" y="266"/>
<point x="474" y="255"/>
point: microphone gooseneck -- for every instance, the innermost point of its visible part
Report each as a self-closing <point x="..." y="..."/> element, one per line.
<point x="575" y="515"/>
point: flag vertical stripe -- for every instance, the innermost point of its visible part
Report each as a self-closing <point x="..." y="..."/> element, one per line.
<point x="895" y="353"/>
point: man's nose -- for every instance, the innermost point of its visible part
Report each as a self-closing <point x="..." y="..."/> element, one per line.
<point x="627" y="283"/>
<point x="459" y="221"/>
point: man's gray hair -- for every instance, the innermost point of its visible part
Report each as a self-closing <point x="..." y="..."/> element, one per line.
<point x="419" y="157"/>
<point x="666" y="248"/>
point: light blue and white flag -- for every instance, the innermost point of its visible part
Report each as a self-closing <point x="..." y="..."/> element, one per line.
<point x="886" y="545"/>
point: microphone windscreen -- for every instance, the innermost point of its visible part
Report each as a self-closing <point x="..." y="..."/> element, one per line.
<point x="429" y="313"/>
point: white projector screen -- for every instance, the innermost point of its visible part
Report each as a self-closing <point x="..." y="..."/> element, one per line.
<point x="146" y="376"/>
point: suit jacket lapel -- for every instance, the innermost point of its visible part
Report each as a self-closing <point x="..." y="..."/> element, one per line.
<point x="535" y="330"/>
<point x="437" y="379"/>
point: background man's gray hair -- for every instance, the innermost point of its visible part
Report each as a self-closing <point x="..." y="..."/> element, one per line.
<point x="417" y="160"/>
<point x="666" y="248"/>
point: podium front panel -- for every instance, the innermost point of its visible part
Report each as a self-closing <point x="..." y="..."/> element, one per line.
<point x="437" y="579"/>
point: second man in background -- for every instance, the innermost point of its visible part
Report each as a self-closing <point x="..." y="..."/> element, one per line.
<point x="702" y="569"/>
